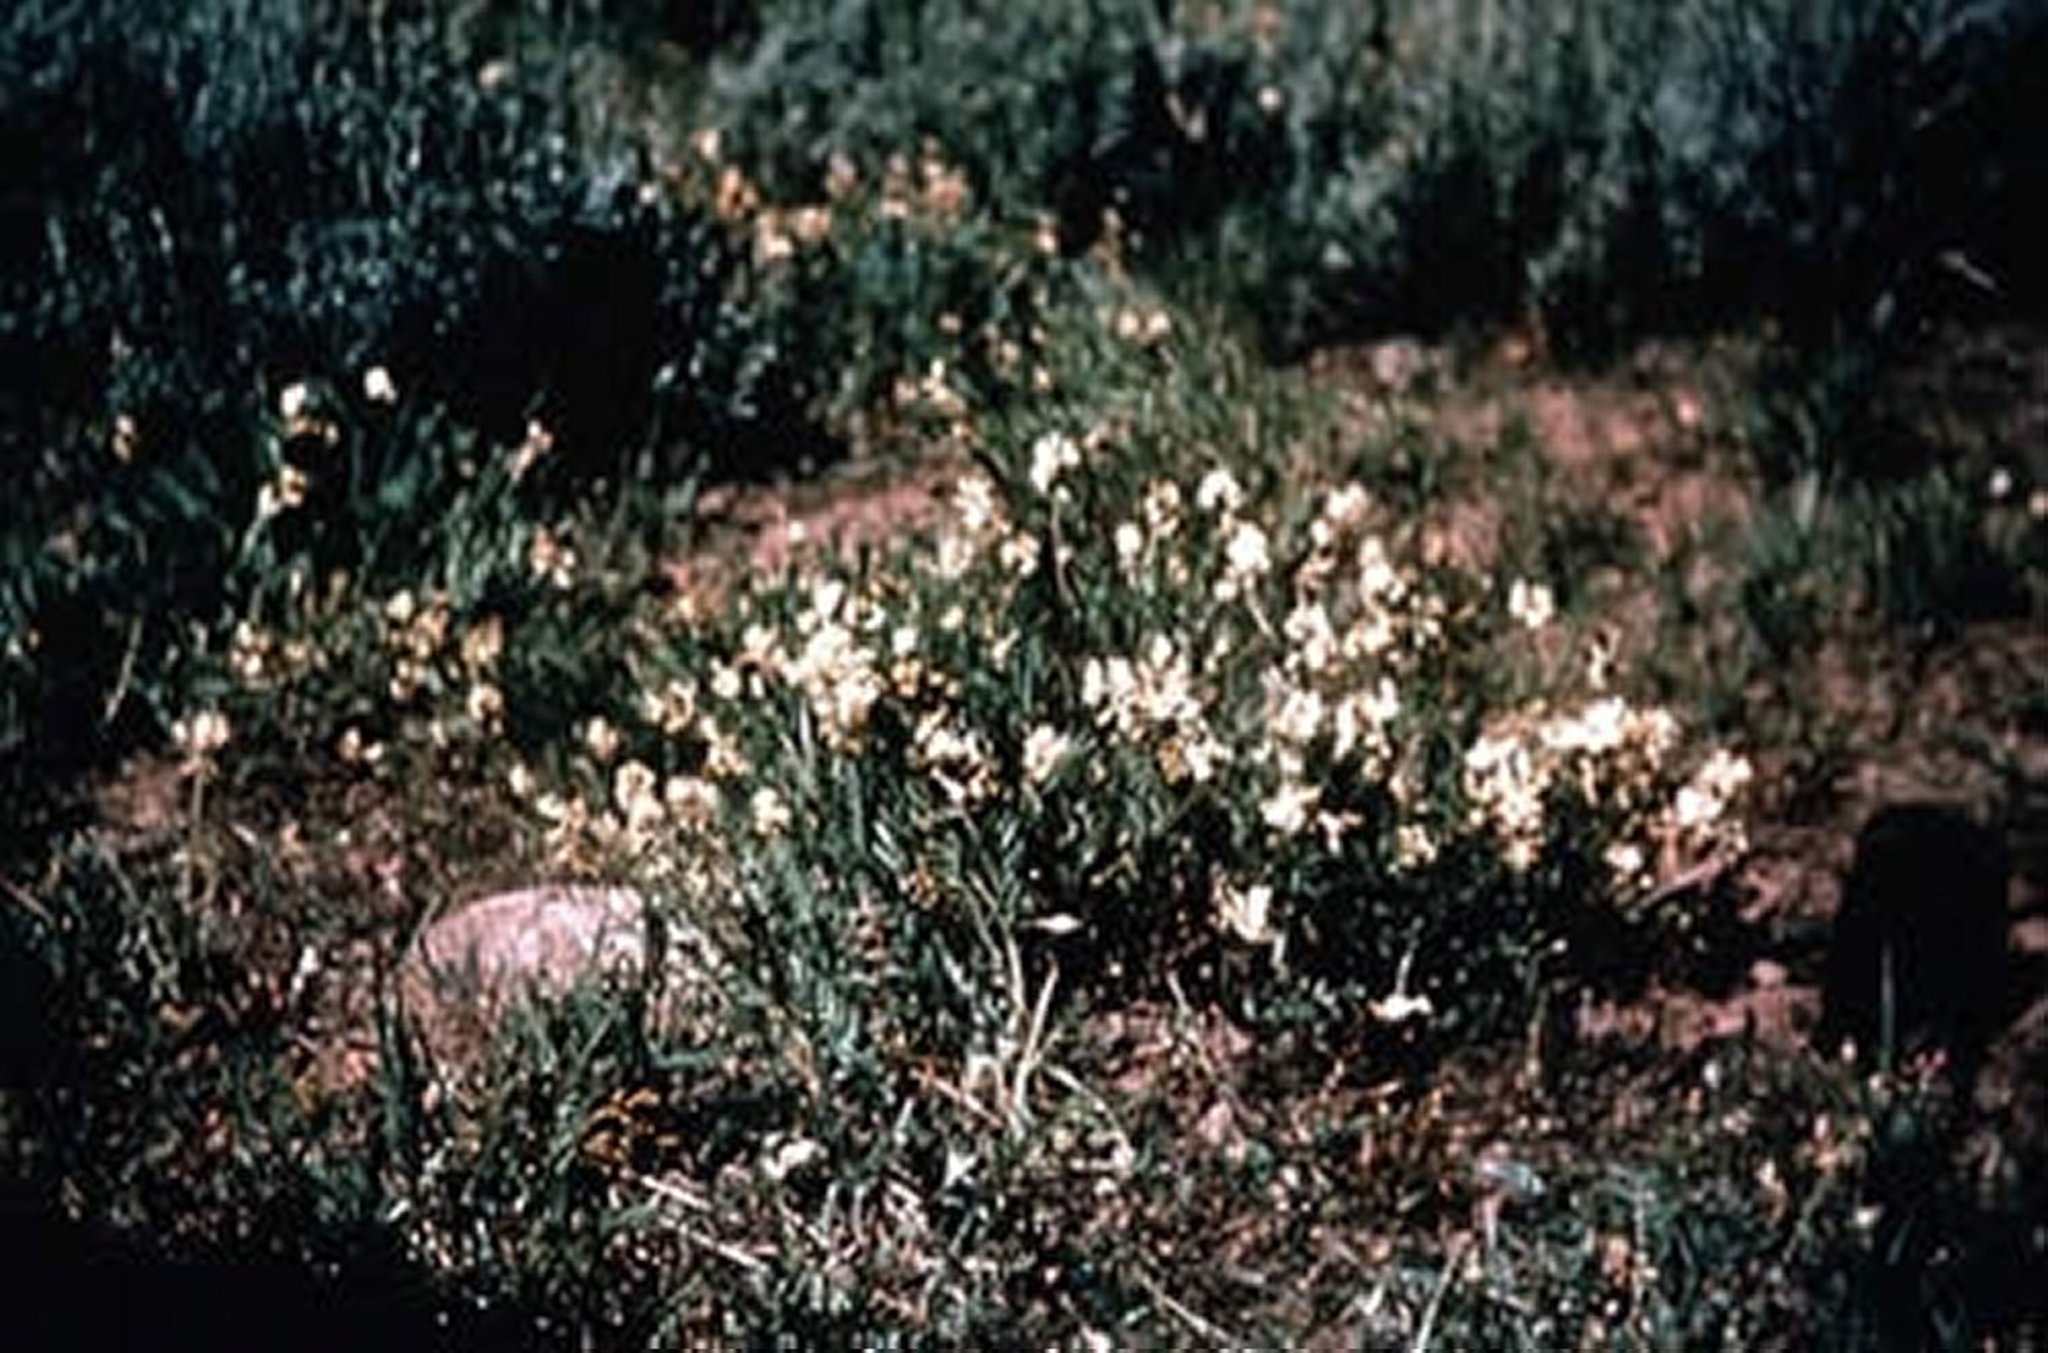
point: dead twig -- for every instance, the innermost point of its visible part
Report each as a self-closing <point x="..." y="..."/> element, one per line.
<point x="26" y="900"/>
<point x="1187" y="1315"/>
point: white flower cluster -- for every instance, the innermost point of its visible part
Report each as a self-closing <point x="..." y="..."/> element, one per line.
<point x="1052" y="455"/>
<point x="955" y="757"/>
<point x="1611" y="753"/>
<point x="1151" y="700"/>
<point x="834" y="666"/>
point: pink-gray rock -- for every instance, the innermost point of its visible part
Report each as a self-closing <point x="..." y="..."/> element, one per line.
<point x="466" y="969"/>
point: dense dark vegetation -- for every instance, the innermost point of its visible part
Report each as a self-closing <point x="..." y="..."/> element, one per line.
<point x="1360" y="168"/>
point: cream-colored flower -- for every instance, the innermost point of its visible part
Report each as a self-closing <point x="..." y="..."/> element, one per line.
<point x="485" y="705"/>
<point x="1346" y="506"/>
<point x="1154" y="693"/>
<point x="1288" y="808"/>
<point x="1362" y="719"/>
<point x="1378" y="580"/>
<point x="1398" y="1007"/>
<point x="600" y="739"/>
<point x="723" y="759"/>
<point x="200" y="735"/>
<point x="378" y="387"/>
<point x="1245" y="552"/>
<point x="1295" y="714"/>
<point x="1129" y="540"/>
<point x="726" y="683"/>
<point x="126" y="437"/>
<point x="1414" y="847"/>
<point x="1724" y="774"/>
<point x="1370" y="633"/>
<point x="1144" y="327"/>
<point x="1105" y="682"/>
<point x="538" y="442"/>
<point x="953" y="757"/>
<point x="1626" y="863"/>
<point x="1506" y="783"/>
<point x="1204" y="755"/>
<point x="841" y="678"/>
<point x="1161" y="509"/>
<point x="690" y="799"/>
<point x="1018" y="553"/>
<point x="812" y="224"/>
<point x="672" y="708"/>
<point x="1532" y="604"/>
<point x="249" y="653"/>
<point x="1598" y="728"/>
<point x="483" y="643"/>
<point x="1246" y="914"/>
<point x="1311" y="636"/>
<point x="549" y="558"/>
<point x="975" y="504"/>
<point x="1052" y="454"/>
<point x="633" y="794"/>
<point x="1600" y="659"/>
<point x="761" y="646"/>
<point x="1695" y="808"/>
<point x="768" y="811"/>
<point x="283" y="493"/>
<point x="1045" y="747"/>
<point x="772" y="241"/>
<point x="1219" y="492"/>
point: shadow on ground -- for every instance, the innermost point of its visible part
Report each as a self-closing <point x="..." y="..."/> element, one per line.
<point x="65" y="1285"/>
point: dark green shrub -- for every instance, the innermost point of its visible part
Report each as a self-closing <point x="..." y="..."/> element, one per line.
<point x="1333" y="167"/>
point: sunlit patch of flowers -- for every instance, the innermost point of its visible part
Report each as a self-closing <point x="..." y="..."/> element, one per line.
<point x="1097" y="646"/>
<point x="415" y="633"/>
<point x="362" y="675"/>
<point x="834" y="664"/>
<point x="1612" y="755"/>
<point x="1150" y="693"/>
<point x="978" y="523"/>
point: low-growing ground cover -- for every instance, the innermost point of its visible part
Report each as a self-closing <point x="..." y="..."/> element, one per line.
<point x="1173" y="849"/>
